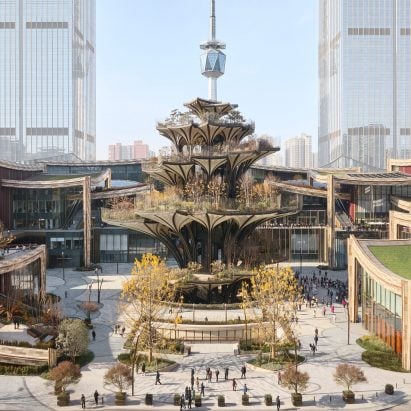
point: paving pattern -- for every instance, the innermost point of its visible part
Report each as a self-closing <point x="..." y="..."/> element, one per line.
<point x="34" y="393"/>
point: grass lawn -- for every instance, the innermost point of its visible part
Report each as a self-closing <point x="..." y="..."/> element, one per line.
<point x="156" y="364"/>
<point x="396" y="258"/>
<point x="379" y="354"/>
<point x="277" y="363"/>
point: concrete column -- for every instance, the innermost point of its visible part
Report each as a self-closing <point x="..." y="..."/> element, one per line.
<point x="87" y="219"/>
<point x="393" y="227"/>
<point x="330" y="220"/>
<point x="43" y="266"/>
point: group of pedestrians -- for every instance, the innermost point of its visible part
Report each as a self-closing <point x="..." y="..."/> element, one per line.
<point x="96" y="396"/>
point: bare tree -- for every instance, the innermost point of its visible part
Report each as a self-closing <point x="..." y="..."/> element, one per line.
<point x="348" y="375"/>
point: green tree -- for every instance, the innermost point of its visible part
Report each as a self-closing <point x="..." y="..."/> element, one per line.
<point x="73" y="337"/>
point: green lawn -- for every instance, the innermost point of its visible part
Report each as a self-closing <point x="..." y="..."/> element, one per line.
<point x="396" y="258"/>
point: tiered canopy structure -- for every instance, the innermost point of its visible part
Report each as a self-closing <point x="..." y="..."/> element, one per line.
<point x="204" y="215"/>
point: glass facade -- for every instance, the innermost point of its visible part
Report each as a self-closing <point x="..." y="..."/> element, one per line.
<point x="381" y="309"/>
<point x="47" y="79"/>
<point x="365" y="82"/>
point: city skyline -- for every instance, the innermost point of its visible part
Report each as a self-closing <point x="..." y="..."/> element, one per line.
<point x="277" y="88"/>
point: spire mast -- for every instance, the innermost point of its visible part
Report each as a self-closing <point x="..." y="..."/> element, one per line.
<point x="213" y="60"/>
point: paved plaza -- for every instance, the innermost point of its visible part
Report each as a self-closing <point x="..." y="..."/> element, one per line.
<point x="34" y="393"/>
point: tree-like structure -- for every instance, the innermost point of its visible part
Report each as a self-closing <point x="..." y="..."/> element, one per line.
<point x="149" y="287"/>
<point x="212" y="206"/>
<point x="73" y="337"/>
<point x="274" y="291"/>
<point x="348" y="375"/>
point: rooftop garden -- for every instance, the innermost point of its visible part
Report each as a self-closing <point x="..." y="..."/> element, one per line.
<point x="397" y="258"/>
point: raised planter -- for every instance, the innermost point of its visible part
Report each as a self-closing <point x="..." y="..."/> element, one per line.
<point x="245" y="399"/>
<point x="149" y="399"/>
<point x="297" y="399"/>
<point x="63" y="399"/>
<point x="221" y="401"/>
<point x="348" y="397"/>
<point x="268" y="399"/>
<point x="389" y="389"/>
<point x="177" y="400"/>
<point x="120" y="398"/>
<point x="197" y="400"/>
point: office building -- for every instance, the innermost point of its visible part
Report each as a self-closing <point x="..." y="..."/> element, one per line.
<point x="298" y="152"/>
<point x="135" y="151"/>
<point x="365" y="86"/>
<point x="47" y="80"/>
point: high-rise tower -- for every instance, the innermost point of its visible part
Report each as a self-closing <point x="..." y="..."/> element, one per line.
<point x="47" y="79"/>
<point x="213" y="59"/>
<point x="365" y="82"/>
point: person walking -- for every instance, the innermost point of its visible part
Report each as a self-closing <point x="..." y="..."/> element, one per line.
<point x="96" y="397"/>
<point x="143" y="368"/>
<point x="243" y="371"/>
<point x="316" y="339"/>
<point x="158" y="378"/>
<point x="245" y="389"/>
<point x="192" y="382"/>
<point x="182" y="402"/>
<point x="93" y="334"/>
<point x="83" y="401"/>
<point x="190" y="399"/>
<point x="210" y="375"/>
<point x="217" y="373"/>
<point x="198" y="383"/>
<point x="280" y="378"/>
<point x="234" y="385"/>
<point x="202" y="389"/>
<point x="226" y="373"/>
<point x="278" y="402"/>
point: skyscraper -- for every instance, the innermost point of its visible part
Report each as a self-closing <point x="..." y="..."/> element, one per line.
<point x="298" y="152"/>
<point x="47" y="79"/>
<point x="365" y="87"/>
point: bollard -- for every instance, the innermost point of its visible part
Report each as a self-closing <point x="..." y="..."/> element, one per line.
<point x="403" y="381"/>
<point x="395" y="385"/>
<point x="330" y="398"/>
<point x="376" y="394"/>
<point x="65" y="294"/>
<point x="314" y="399"/>
<point x="362" y="397"/>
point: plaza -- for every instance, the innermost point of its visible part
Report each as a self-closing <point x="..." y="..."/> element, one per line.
<point x="26" y="393"/>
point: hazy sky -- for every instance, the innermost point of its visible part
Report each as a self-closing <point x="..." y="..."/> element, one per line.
<point x="148" y="63"/>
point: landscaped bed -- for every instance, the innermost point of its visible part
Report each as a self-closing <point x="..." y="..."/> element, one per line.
<point x="279" y="362"/>
<point x="156" y="364"/>
<point x="378" y="354"/>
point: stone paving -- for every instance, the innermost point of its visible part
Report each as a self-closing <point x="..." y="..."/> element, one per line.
<point x="34" y="393"/>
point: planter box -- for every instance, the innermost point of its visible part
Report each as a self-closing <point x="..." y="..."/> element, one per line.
<point x="349" y="397"/>
<point x="149" y="399"/>
<point x="197" y="400"/>
<point x="120" y="398"/>
<point x="177" y="400"/>
<point x="63" y="399"/>
<point x="268" y="399"/>
<point x="245" y="399"/>
<point x="221" y="401"/>
<point x="297" y="399"/>
<point x="389" y="389"/>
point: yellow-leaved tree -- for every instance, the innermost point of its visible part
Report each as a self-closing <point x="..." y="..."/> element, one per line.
<point x="145" y="294"/>
<point x="275" y="291"/>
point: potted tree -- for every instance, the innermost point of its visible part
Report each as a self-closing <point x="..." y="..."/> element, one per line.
<point x="63" y="375"/>
<point x="245" y="399"/>
<point x="119" y="375"/>
<point x="297" y="381"/>
<point x="149" y="399"/>
<point x="389" y="389"/>
<point x="348" y="375"/>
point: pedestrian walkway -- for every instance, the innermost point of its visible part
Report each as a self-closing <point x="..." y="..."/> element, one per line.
<point x="35" y="393"/>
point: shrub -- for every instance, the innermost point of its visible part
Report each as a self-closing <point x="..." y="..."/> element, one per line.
<point x="389" y="389"/>
<point x="268" y="399"/>
<point x="7" y="369"/>
<point x="177" y="399"/>
<point x="149" y="399"/>
<point x="245" y="399"/>
<point x="221" y="401"/>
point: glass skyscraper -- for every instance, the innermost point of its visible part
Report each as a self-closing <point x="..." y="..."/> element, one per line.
<point x="47" y="79"/>
<point x="365" y="87"/>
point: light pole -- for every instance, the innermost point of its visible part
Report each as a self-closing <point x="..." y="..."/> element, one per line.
<point x="225" y="309"/>
<point x="135" y="355"/>
<point x="99" y="285"/>
<point x="348" y="324"/>
<point x="194" y="313"/>
<point x="62" y="263"/>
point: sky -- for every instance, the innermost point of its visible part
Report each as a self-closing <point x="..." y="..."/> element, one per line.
<point x="148" y="63"/>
